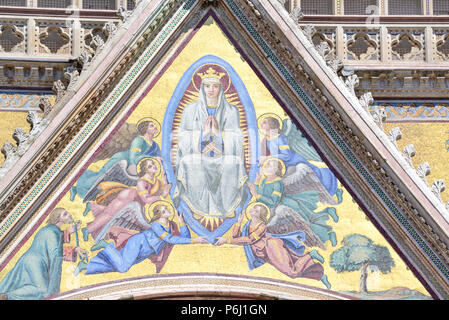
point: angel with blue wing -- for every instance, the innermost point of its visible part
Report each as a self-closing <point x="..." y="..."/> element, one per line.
<point x="288" y="144"/>
<point x="293" y="202"/>
<point x="128" y="146"/>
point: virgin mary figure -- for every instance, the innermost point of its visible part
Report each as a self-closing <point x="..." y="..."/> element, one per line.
<point x="210" y="161"/>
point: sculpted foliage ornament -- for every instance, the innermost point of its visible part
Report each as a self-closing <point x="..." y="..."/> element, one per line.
<point x="45" y="105"/>
<point x="437" y="187"/>
<point x="58" y="89"/>
<point x="366" y="100"/>
<point x="24" y="141"/>
<point x="72" y="75"/>
<point x="123" y="14"/>
<point x="309" y="31"/>
<point x="297" y="14"/>
<point x="352" y="82"/>
<point x="97" y="43"/>
<point x="423" y="170"/>
<point x="20" y="136"/>
<point x="323" y="48"/>
<point x="84" y="59"/>
<point x="110" y="29"/>
<point x="379" y="116"/>
<point x="335" y="64"/>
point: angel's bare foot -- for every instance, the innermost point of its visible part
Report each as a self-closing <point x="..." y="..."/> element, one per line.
<point x="325" y="281"/>
<point x="315" y="255"/>
<point x="100" y="245"/>
<point x="332" y="212"/>
<point x="72" y="193"/>
<point x="339" y="194"/>
<point x="333" y="239"/>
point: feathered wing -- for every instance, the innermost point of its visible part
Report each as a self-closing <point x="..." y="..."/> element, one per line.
<point x="286" y="220"/>
<point x="302" y="178"/>
<point x="131" y="217"/>
<point x="297" y="142"/>
<point x="116" y="173"/>
<point x="119" y="142"/>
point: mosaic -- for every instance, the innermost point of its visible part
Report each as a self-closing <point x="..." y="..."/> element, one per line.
<point x="208" y="174"/>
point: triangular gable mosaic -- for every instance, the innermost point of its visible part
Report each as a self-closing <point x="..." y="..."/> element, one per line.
<point x="203" y="172"/>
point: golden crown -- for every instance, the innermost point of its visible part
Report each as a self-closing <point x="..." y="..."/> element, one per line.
<point x="211" y="73"/>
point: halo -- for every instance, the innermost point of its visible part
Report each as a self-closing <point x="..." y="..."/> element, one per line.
<point x="158" y="165"/>
<point x="156" y="123"/>
<point x="278" y="160"/>
<point x="211" y="64"/>
<point x="149" y="210"/>
<point x="266" y="115"/>
<point x="253" y="204"/>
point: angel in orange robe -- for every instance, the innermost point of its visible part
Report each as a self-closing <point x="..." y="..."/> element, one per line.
<point x="115" y="196"/>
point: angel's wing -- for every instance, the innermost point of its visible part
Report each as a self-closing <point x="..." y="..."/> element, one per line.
<point x="286" y="220"/>
<point x="297" y="142"/>
<point x="116" y="173"/>
<point x="302" y="178"/>
<point x="130" y="217"/>
<point x="120" y="141"/>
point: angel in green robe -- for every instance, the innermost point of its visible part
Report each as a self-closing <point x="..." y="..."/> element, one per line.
<point x="293" y="205"/>
<point x="139" y="144"/>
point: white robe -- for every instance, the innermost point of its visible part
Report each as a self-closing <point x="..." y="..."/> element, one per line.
<point x="211" y="186"/>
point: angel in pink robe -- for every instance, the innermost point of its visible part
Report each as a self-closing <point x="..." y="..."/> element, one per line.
<point x="115" y="196"/>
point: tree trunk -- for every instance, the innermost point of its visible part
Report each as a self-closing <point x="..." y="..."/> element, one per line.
<point x="363" y="277"/>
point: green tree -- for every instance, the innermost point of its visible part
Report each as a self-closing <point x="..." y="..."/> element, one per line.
<point x="359" y="253"/>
